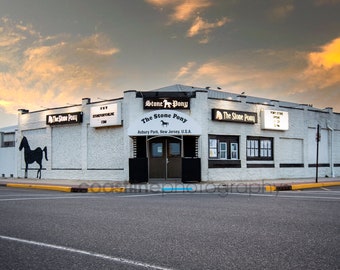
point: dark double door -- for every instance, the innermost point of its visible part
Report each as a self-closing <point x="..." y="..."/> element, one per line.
<point x="165" y="158"/>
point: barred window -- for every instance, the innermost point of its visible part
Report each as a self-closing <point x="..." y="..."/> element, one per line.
<point x="259" y="148"/>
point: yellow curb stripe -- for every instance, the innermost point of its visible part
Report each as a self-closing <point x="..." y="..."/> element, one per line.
<point x="270" y="188"/>
<point x="67" y="188"/>
<point x="45" y="187"/>
<point x="314" y="185"/>
<point x="105" y="189"/>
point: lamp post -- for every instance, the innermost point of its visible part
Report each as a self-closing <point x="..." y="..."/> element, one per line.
<point x="318" y="138"/>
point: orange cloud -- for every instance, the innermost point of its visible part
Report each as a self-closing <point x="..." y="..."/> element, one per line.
<point x="51" y="71"/>
<point x="97" y="44"/>
<point x="185" y="70"/>
<point x="200" y="26"/>
<point x="188" y="10"/>
<point x="329" y="56"/>
<point x="182" y="10"/>
<point x="324" y="66"/>
<point x="272" y="74"/>
<point x="247" y="68"/>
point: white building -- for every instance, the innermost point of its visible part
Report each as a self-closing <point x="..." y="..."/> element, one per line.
<point x="180" y="133"/>
<point x="8" y="152"/>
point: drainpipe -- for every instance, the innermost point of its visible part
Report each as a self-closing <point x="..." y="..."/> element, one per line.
<point x="332" y="165"/>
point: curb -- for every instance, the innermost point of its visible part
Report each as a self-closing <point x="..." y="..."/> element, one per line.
<point x="105" y="189"/>
<point x="65" y="188"/>
<point x="108" y="189"/>
<point x="284" y="187"/>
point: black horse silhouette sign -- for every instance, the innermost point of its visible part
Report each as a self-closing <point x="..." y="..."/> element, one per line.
<point x="32" y="156"/>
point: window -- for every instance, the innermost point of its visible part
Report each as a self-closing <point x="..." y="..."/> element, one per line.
<point x="223" y="147"/>
<point x="7" y="139"/>
<point x="212" y="148"/>
<point x="223" y="150"/>
<point x="252" y="148"/>
<point x="234" y="151"/>
<point x="259" y="148"/>
<point x="174" y="149"/>
<point x="157" y="150"/>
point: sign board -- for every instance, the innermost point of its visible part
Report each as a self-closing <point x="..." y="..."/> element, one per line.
<point x="106" y="115"/>
<point x="275" y="120"/>
<point x="234" y="116"/>
<point x="164" y="123"/>
<point x="64" y="118"/>
<point x="181" y="103"/>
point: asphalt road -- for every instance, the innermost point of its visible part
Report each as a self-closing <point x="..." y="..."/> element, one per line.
<point x="285" y="230"/>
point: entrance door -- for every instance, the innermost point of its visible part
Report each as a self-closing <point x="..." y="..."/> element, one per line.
<point x="165" y="158"/>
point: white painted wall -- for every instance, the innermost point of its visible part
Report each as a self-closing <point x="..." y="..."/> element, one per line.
<point x="7" y="155"/>
<point x="7" y="162"/>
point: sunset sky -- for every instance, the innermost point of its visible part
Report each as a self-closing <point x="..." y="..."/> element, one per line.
<point x="56" y="52"/>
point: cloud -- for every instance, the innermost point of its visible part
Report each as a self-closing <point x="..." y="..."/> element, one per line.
<point x="245" y="68"/>
<point x="188" y="11"/>
<point x="302" y="77"/>
<point x="4" y="103"/>
<point x="324" y="66"/>
<point x="202" y="27"/>
<point x="185" y="10"/>
<point x="96" y="44"/>
<point x="328" y="57"/>
<point x="51" y="70"/>
<point x="182" y="10"/>
<point x="9" y="39"/>
<point x="183" y="71"/>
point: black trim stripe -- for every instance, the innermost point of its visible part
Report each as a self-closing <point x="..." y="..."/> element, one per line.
<point x="292" y="165"/>
<point x="319" y="165"/>
<point x="259" y="165"/>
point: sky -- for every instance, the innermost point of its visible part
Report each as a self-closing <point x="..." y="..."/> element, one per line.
<point x="54" y="53"/>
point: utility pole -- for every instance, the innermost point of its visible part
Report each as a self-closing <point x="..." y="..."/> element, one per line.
<point x="318" y="138"/>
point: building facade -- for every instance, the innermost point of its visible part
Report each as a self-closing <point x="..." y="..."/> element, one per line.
<point x="179" y="133"/>
<point x="8" y="155"/>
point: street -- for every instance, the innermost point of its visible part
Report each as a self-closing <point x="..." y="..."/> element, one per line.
<point x="279" y="230"/>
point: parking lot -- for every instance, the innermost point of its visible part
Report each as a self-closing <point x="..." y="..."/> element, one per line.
<point x="184" y="230"/>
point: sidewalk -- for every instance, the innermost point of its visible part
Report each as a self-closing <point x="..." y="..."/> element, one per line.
<point x="208" y="186"/>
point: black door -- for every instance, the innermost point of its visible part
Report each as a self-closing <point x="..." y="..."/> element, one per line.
<point x="165" y="154"/>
